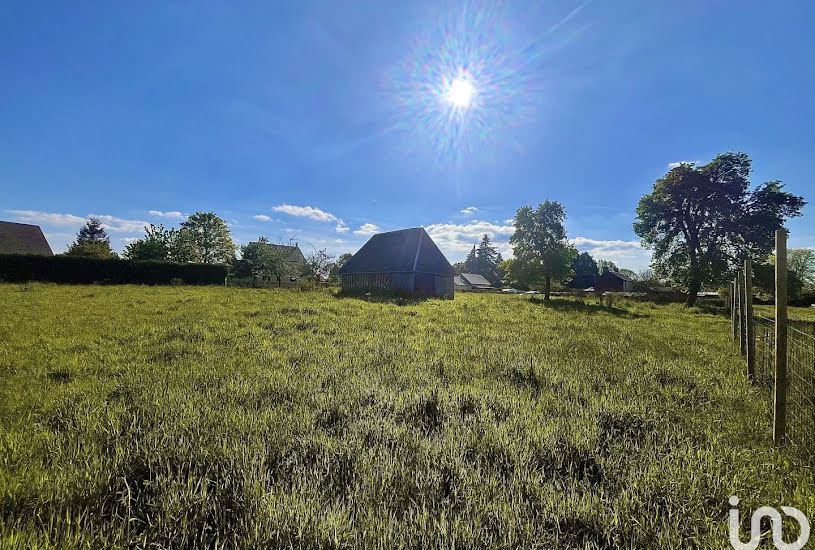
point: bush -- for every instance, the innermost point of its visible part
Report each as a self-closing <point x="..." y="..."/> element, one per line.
<point x="86" y="270"/>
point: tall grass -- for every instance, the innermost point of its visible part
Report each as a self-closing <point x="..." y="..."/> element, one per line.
<point x="223" y="417"/>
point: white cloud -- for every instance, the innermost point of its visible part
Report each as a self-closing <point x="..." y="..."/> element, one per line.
<point x="111" y="223"/>
<point x="175" y="215"/>
<point x="262" y="218"/>
<point x="678" y="162"/>
<point x="367" y="229"/>
<point x="341" y="227"/>
<point x="129" y="239"/>
<point x="469" y="211"/>
<point x="50" y="218"/>
<point x="457" y="239"/>
<point x="306" y="212"/>
<point x="119" y="225"/>
<point x="626" y="254"/>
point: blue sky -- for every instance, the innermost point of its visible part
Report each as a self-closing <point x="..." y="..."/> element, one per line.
<point x="325" y="122"/>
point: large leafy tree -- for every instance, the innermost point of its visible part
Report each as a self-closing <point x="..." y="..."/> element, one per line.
<point x="92" y="240"/>
<point x="585" y="271"/>
<point x="702" y="221"/>
<point x="209" y="238"/>
<point x="155" y="245"/>
<point x="260" y="259"/>
<point x="540" y="246"/>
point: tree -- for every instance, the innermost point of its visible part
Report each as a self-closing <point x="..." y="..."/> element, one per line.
<point x="92" y="240"/>
<point x="260" y="259"/>
<point x="318" y="265"/>
<point x="486" y="261"/>
<point x="541" y="248"/>
<point x="470" y="261"/>
<point x="209" y="238"/>
<point x="607" y="265"/>
<point x="154" y="245"/>
<point x="628" y="273"/>
<point x="801" y="261"/>
<point x="585" y="271"/>
<point x="703" y="221"/>
<point x="333" y="274"/>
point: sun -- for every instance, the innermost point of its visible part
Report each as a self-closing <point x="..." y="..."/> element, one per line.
<point x="460" y="93"/>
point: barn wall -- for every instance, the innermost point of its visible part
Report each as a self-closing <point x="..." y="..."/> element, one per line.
<point x="445" y="287"/>
<point x="398" y="282"/>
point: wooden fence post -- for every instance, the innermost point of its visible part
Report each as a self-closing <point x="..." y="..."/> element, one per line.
<point x="742" y="327"/>
<point x="733" y="298"/>
<point x="780" y="397"/>
<point x="750" y="332"/>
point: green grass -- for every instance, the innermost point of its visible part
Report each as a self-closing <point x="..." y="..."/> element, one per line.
<point x="179" y="417"/>
<point x="795" y="313"/>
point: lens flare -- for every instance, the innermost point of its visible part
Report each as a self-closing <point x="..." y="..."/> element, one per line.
<point x="469" y="83"/>
<point x="460" y="92"/>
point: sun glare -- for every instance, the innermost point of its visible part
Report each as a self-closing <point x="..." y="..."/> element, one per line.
<point x="460" y="93"/>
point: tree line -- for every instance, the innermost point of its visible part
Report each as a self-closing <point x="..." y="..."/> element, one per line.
<point x="700" y="221"/>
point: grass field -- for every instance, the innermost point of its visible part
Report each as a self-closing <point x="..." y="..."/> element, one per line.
<point x="794" y="313"/>
<point x="178" y="417"/>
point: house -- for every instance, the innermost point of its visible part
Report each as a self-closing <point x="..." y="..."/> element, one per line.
<point x="294" y="266"/>
<point x="23" y="238"/>
<point x="611" y="281"/>
<point x="473" y="281"/>
<point x="406" y="261"/>
<point x="459" y="284"/>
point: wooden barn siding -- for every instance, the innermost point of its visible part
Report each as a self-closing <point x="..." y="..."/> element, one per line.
<point x="402" y="282"/>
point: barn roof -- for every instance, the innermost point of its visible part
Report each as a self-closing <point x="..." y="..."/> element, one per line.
<point x="23" y="238"/>
<point x="400" y="251"/>
<point x="618" y="275"/>
<point x="475" y="279"/>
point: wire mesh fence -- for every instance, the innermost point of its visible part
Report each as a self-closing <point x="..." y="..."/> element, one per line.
<point x="799" y="412"/>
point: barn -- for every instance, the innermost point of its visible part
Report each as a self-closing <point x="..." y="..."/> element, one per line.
<point x="611" y="281"/>
<point x="23" y="238"/>
<point x="405" y="261"/>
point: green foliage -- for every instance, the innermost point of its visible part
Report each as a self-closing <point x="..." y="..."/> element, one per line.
<point x="585" y="271"/>
<point x="606" y="265"/>
<point x="266" y="260"/>
<point x="207" y="239"/>
<point x="801" y="261"/>
<point x="542" y="253"/>
<point x="92" y="232"/>
<point x="333" y="274"/>
<point x="193" y="417"/>
<point x="318" y="265"/>
<point x="92" y="241"/>
<point x="91" y="249"/>
<point x="703" y="221"/>
<point x="88" y="270"/>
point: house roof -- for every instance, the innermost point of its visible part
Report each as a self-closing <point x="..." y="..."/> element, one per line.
<point x="618" y="275"/>
<point x="475" y="279"/>
<point x="458" y="281"/>
<point x="402" y="251"/>
<point x="293" y="254"/>
<point x="23" y="238"/>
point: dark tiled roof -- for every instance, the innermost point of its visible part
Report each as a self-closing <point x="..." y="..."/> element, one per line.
<point x="475" y="279"/>
<point x="400" y="251"/>
<point x="619" y="276"/>
<point x="23" y="238"/>
<point x="293" y="254"/>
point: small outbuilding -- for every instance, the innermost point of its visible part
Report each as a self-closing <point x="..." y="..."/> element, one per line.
<point x="612" y="281"/>
<point x="474" y="281"/>
<point x="23" y="238"/>
<point x="405" y="261"/>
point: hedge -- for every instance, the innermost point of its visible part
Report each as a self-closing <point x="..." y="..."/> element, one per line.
<point x="84" y="270"/>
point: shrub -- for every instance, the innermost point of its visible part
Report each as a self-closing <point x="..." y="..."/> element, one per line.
<point x="87" y="270"/>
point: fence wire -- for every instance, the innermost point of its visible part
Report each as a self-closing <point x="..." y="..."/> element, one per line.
<point x="800" y="433"/>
